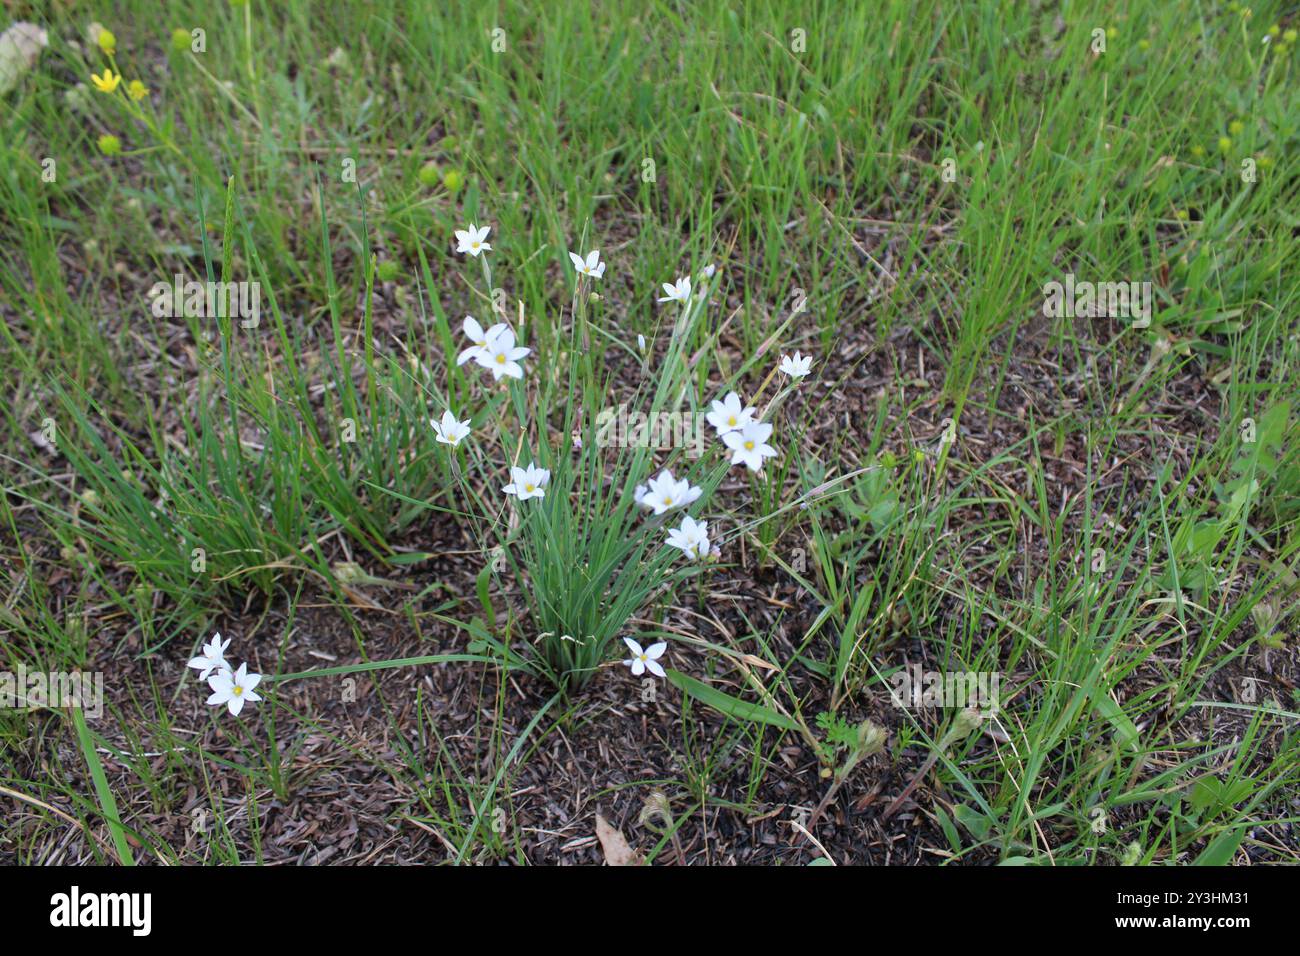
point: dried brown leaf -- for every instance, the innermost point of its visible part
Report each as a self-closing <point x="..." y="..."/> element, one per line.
<point x="617" y="852"/>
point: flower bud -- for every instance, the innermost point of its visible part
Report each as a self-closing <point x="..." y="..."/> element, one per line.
<point x="965" y="724"/>
<point x="102" y="38"/>
<point x="656" y="805"/>
<point x="349" y="572"/>
<point x="428" y="174"/>
<point x="871" y="738"/>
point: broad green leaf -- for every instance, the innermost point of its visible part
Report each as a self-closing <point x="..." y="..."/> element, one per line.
<point x="482" y="584"/>
<point x="725" y="703"/>
<point x="107" y="803"/>
<point x="1126" y="734"/>
<point x="1222" y="848"/>
<point x="414" y="557"/>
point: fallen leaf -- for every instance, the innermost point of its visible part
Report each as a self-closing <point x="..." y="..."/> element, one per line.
<point x="617" y="852"/>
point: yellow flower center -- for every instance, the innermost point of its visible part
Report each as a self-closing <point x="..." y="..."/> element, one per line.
<point x="501" y="359"/>
<point x="731" y="420"/>
<point x="528" y="488"/>
<point x="749" y="446"/>
<point x="237" y="691"/>
<point x="642" y="658"/>
<point x="668" y="501"/>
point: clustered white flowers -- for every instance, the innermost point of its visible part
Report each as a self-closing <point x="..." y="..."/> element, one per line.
<point x="477" y="337"/>
<point x="496" y="350"/>
<point x="230" y="687"/>
<point x="741" y="432"/>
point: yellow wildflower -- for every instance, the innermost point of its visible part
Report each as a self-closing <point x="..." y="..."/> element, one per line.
<point x="108" y="82"/>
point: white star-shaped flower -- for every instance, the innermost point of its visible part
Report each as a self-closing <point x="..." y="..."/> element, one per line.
<point x="749" y="445"/>
<point x="692" y="537"/>
<point x="796" y="367"/>
<point x="473" y="240"/>
<point x="664" y="493"/>
<point x="728" y="415"/>
<point x="450" y="431"/>
<point x="645" y="660"/>
<point x="680" y="291"/>
<point x="501" y="355"/>
<point x="474" y="332"/>
<point x="233" y="689"/>
<point x="591" y="267"/>
<point x="211" y="658"/>
<point x="528" y="482"/>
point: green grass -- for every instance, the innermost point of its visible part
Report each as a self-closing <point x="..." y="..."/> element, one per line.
<point x="1072" y="503"/>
